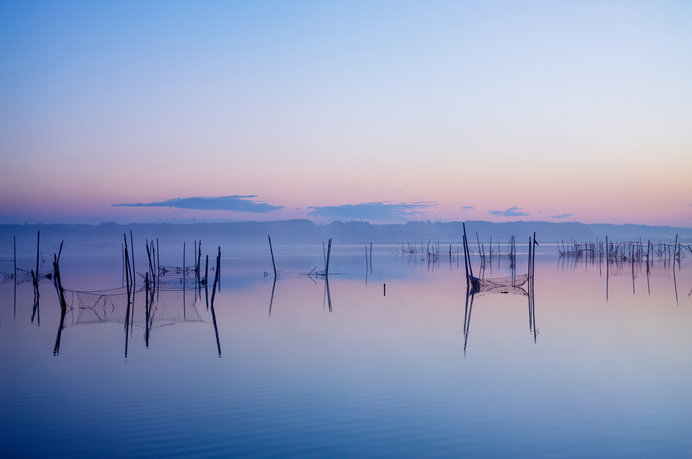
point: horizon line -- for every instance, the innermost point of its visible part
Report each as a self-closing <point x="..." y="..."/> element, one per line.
<point x="111" y="222"/>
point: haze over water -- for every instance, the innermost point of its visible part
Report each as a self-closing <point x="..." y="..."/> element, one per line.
<point x="351" y="371"/>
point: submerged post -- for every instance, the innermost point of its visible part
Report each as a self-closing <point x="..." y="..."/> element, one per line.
<point x="216" y="277"/>
<point x="528" y="269"/>
<point x="467" y="252"/>
<point x="132" y="243"/>
<point x="271" y="251"/>
<point x="206" y="270"/>
<point x="151" y="266"/>
<point x="38" y="243"/>
<point x="128" y="273"/>
<point x="371" y="257"/>
<point x="329" y="252"/>
<point x="58" y="282"/>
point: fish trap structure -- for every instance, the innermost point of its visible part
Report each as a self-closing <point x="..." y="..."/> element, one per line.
<point x="516" y="283"/>
<point x="116" y="306"/>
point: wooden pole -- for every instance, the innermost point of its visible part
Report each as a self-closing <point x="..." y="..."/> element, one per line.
<point x="466" y="265"/>
<point x="38" y="243"/>
<point x="132" y="243"/>
<point x="329" y="252"/>
<point x="216" y="277"/>
<point x="528" y="269"/>
<point x="467" y="254"/>
<point x="206" y="271"/>
<point x="533" y="255"/>
<point x="151" y="266"/>
<point x="271" y="251"/>
<point x="371" y="257"/>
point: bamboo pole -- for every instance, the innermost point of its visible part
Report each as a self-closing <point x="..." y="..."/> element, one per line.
<point x="38" y="243"/>
<point x="132" y="243"/>
<point x="329" y="252"/>
<point x="271" y="251"/>
<point x="206" y="271"/>
<point x="216" y="277"/>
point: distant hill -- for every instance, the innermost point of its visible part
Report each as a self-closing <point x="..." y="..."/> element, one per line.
<point x="305" y="231"/>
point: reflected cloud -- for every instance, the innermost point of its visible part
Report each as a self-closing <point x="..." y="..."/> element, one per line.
<point x="236" y="203"/>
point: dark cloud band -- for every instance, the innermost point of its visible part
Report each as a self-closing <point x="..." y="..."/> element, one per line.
<point x="236" y="203"/>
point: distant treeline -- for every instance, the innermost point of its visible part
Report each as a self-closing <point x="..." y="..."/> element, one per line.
<point x="305" y="231"/>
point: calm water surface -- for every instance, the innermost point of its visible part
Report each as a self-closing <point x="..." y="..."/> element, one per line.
<point x="294" y="368"/>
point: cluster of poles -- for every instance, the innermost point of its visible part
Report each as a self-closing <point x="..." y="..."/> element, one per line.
<point x="473" y="281"/>
<point x="152" y="281"/>
<point x="620" y="252"/>
<point x="613" y="253"/>
<point x="313" y="273"/>
<point x="430" y="251"/>
<point x="474" y="284"/>
<point x="631" y="255"/>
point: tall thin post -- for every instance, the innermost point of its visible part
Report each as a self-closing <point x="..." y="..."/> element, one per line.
<point x="128" y="274"/>
<point x="216" y="277"/>
<point x="206" y="271"/>
<point x="122" y="253"/>
<point x="329" y="252"/>
<point x="151" y="268"/>
<point x="132" y="244"/>
<point x="371" y="257"/>
<point x="607" y="267"/>
<point x="533" y="255"/>
<point x="271" y="250"/>
<point x="38" y="243"/>
<point x="528" y="269"/>
<point x="675" y="248"/>
<point x="466" y="265"/>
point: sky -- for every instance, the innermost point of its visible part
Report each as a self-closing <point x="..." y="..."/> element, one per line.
<point x="382" y="111"/>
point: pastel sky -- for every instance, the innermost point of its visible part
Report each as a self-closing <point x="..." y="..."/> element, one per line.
<point x="384" y="111"/>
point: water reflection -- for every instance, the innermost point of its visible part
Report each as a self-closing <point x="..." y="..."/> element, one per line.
<point x="179" y="300"/>
<point x="393" y="362"/>
<point x="162" y="307"/>
<point x="527" y="291"/>
<point x="630" y="266"/>
<point x="271" y="299"/>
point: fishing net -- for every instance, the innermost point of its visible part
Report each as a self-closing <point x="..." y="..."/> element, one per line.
<point x="508" y="284"/>
<point x="24" y="275"/>
<point x="167" y="307"/>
